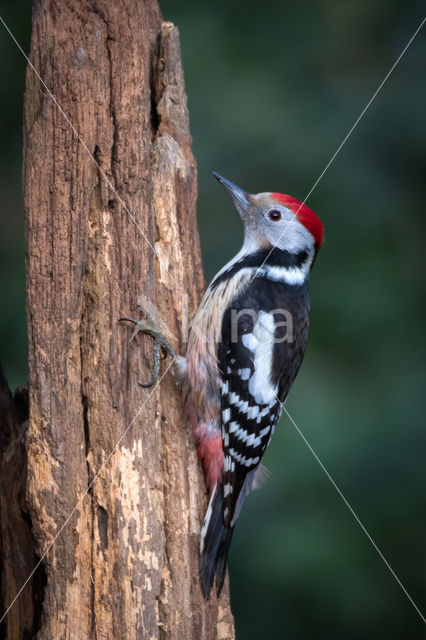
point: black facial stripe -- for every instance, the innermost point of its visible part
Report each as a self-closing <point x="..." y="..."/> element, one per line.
<point x="275" y="258"/>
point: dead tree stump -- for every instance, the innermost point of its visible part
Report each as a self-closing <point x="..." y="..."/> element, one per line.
<point x="123" y="520"/>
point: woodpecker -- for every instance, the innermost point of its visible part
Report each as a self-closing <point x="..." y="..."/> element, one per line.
<point x="244" y="351"/>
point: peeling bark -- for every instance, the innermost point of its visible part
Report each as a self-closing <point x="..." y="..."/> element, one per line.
<point x="125" y="563"/>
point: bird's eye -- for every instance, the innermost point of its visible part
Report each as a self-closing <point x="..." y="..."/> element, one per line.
<point x="274" y="215"/>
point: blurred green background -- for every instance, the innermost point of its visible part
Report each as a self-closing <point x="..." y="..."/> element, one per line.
<point x="273" y="89"/>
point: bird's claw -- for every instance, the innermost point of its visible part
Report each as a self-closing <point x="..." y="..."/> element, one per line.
<point x="161" y="345"/>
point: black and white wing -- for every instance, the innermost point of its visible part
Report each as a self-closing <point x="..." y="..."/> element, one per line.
<point x="258" y="359"/>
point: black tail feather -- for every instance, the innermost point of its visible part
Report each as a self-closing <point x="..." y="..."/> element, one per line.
<point x="222" y="559"/>
<point x="217" y="540"/>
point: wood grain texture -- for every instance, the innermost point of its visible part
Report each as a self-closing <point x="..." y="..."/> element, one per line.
<point x="125" y="564"/>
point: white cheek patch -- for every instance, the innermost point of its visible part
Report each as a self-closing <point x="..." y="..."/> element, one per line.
<point x="261" y="345"/>
<point x="290" y="275"/>
<point x="290" y="234"/>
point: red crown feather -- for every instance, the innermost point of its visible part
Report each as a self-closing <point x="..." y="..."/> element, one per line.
<point x="303" y="214"/>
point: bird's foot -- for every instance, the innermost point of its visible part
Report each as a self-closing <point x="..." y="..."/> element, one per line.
<point x="161" y="344"/>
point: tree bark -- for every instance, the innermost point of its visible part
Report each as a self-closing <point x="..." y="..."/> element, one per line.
<point x="114" y="491"/>
<point x="17" y="554"/>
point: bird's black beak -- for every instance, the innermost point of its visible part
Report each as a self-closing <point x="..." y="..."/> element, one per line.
<point x="238" y="195"/>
